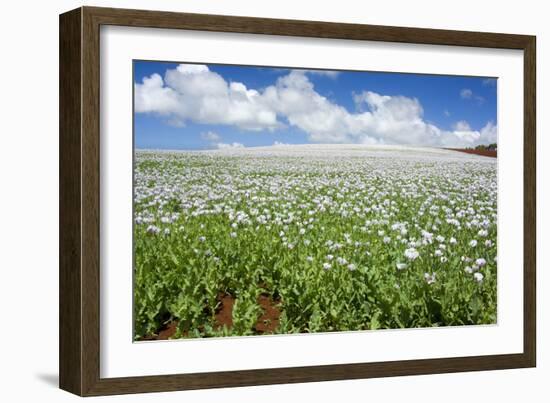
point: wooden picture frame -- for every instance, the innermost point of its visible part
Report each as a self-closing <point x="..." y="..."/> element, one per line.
<point x="79" y="281"/>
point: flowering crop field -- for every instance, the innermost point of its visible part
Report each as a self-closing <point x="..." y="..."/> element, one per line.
<point x="313" y="238"/>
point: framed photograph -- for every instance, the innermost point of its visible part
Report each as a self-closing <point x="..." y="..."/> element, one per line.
<point x="249" y="201"/>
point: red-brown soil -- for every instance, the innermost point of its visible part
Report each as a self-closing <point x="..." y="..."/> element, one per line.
<point x="164" y="333"/>
<point x="267" y="322"/>
<point x="168" y="331"/>
<point x="485" y="153"/>
<point x="224" y="313"/>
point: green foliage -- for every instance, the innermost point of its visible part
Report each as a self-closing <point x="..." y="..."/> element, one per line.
<point x="313" y="236"/>
<point x="485" y="147"/>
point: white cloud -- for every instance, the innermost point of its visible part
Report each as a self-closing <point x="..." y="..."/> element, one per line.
<point x="491" y="82"/>
<point x="326" y="73"/>
<point x="152" y="95"/>
<point x="489" y="133"/>
<point x="192" y="69"/>
<point x="197" y="94"/>
<point x="214" y="141"/>
<point x="210" y="136"/>
<point x="229" y="145"/>
<point x="194" y="93"/>
<point x="462" y="125"/>
<point x="387" y="119"/>
<point x="468" y="137"/>
<point x="466" y="93"/>
<point x="465" y="137"/>
<point x="446" y="113"/>
<point x="479" y="99"/>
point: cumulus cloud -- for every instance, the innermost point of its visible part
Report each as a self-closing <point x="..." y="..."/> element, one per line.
<point x="280" y="143"/>
<point x="462" y="125"/>
<point x="197" y="94"/>
<point x="214" y="141"/>
<point x="210" y="136"/>
<point x="229" y="145"/>
<point x="463" y="131"/>
<point x="489" y="133"/>
<point x="152" y="95"/>
<point x="470" y="137"/>
<point x="466" y="93"/>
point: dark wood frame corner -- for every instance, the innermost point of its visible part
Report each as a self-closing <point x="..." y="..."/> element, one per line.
<point x="79" y="200"/>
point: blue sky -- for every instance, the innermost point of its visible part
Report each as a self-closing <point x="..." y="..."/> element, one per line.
<point x="192" y="106"/>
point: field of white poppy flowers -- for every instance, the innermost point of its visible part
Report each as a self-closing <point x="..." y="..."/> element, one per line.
<point x="312" y="238"/>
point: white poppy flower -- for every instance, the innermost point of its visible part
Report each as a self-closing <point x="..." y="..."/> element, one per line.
<point x="481" y="262"/>
<point x="430" y="278"/>
<point x="153" y="229"/>
<point x="478" y="277"/>
<point x="411" y="253"/>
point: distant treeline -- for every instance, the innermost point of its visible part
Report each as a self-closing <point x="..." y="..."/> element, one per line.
<point x="484" y="147"/>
